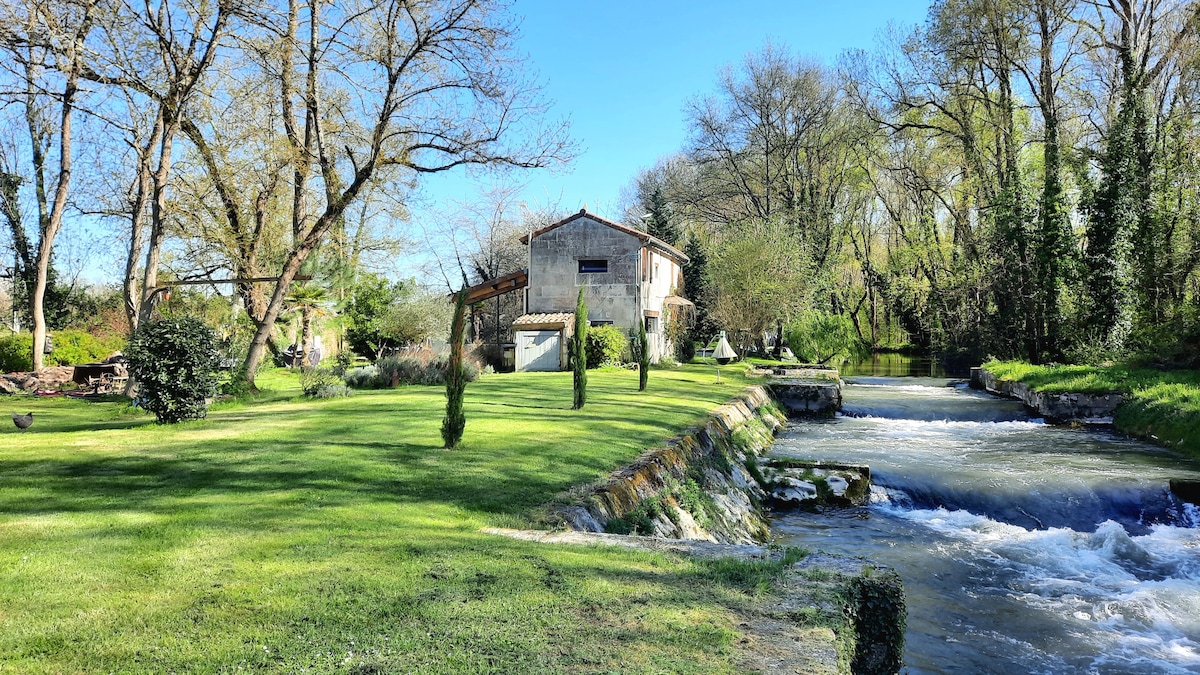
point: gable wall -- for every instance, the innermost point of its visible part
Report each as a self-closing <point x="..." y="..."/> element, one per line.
<point x="554" y="276"/>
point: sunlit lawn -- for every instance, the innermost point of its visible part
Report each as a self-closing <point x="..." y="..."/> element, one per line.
<point x="289" y="535"/>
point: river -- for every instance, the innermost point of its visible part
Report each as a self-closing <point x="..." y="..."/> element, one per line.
<point x="1024" y="547"/>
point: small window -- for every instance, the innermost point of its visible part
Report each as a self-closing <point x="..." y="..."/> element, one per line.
<point x="599" y="323"/>
<point x="652" y="324"/>
<point x="593" y="266"/>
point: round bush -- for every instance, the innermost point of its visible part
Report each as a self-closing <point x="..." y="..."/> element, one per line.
<point x="175" y="362"/>
<point x="606" y="345"/>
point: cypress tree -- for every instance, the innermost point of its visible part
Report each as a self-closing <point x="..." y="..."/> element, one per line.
<point x="643" y="356"/>
<point x="456" y="378"/>
<point x="579" y="351"/>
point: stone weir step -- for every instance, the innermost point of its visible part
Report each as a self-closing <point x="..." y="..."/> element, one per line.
<point x="806" y="398"/>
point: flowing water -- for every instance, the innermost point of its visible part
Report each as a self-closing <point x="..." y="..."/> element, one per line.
<point x="1024" y="547"/>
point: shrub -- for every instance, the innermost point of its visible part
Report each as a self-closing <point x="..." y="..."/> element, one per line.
<point x="76" y="346"/>
<point x="175" y="362"/>
<point x="578" y="353"/>
<point x="366" y="377"/>
<point x="322" y="383"/>
<point x="70" y="347"/>
<point x="427" y="370"/>
<point x="455" y="420"/>
<point x="16" y="353"/>
<point x="605" y="346"/>
<point x="643" y="356"/>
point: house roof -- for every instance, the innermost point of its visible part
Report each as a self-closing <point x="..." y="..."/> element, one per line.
<point x="544" y="320"/>
<point x="646" y="238"/>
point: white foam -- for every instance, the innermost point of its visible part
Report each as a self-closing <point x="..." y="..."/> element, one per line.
<point x="1136" y="596"/>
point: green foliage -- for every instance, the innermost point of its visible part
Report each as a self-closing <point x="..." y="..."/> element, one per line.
<point x="875" y="615"/>
<point x="661" y="221"/>
<point x="455" y="420"/>
<point x="821" y="337"/>
<point x="759" y="275"/>
<point x="578" y="353"/>
<point x="406" y="370"/>
<point x="322" y="383"/>
<point x="16" y="352"/>
<point x="696" y="288"/>
<point x="71" y="347"/>
<point x="643" y="354"/>
<point x="175" y="362"/>
<point x="384" y="316"/>
<point x="606" y="346"/>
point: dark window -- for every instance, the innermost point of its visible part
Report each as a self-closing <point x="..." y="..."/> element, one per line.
<point x="599" y="323"/>
<point x="652" y="324"/>
<point x="593" y="266"/>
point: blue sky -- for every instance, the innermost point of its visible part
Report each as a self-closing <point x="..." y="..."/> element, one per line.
<point x="622" y="71"/>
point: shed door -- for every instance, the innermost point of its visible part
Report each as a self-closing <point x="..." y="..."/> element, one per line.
<point x="538" y="350"/>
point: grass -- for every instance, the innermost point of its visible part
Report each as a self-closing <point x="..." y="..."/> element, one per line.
<point x="289" y="535"/>
<point x="1161" y="406"/>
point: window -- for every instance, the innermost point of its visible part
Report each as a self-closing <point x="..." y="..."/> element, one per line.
<point x="599" y="323"/>
<point x="593" y="266"/>
<point x="652" y="324"/>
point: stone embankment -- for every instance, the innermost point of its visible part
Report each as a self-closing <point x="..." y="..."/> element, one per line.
<point x="1062" y="408"/>
<point x="705" y="485"/>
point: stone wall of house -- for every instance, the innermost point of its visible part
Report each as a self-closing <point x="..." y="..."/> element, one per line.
<point x="704" y="485"/>
<point x="554" y="277"/>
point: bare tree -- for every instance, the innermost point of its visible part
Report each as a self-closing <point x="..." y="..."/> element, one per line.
<point x="43" y="40"/>
<point x="421" y="87"/>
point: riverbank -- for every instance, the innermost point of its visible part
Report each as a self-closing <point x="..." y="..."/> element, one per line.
<point x="1162" y="407"/>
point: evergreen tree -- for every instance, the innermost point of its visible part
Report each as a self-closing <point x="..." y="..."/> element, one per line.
<point x="456" y="378"/>
<point x="695" y="288"/>
<point x="661" y="221"/>
<point x="579" y="351"/>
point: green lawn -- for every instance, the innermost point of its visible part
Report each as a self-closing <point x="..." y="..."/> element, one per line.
<point x="287" y="535"/>
<point x="1163" y="406"/>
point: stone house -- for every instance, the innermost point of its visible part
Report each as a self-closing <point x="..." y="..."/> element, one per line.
<point x="629" y="275"/>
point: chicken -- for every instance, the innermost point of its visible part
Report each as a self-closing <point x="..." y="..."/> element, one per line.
<point x="23" y="421"/>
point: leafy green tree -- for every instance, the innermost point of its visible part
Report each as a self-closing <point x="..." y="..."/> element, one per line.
<point x="383" y="316"/>
<point x="821" y="337"/>
<point x="759" y="277"/>
<point x="606" y="345"/>
<point x="455" y="421"/>
<point x="579" y="352"/>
